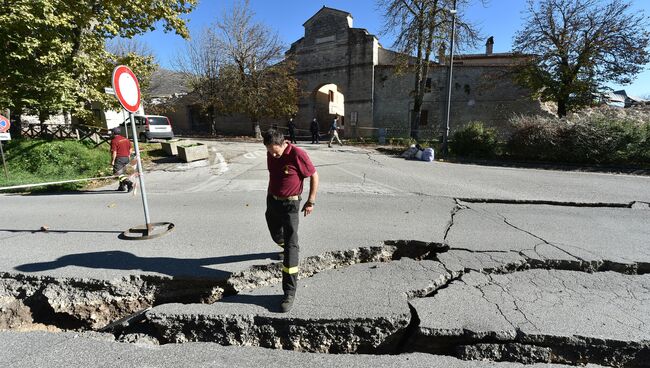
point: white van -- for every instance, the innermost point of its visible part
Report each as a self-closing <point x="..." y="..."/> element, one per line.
<point x="151" y="127"/>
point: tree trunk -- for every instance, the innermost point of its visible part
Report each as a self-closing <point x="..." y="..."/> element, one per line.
<point x="16" y="125"/>
<point x="213" y="120"/>
<point x="561" y="107"/>
<point x="417" y="103"/>
<point x="41" y="119"/>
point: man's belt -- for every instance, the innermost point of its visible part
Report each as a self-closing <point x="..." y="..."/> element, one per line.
<point x="289" y="198"/>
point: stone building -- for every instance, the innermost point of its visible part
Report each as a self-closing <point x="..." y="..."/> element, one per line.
<point x="333" y="52"/>
<point x="345" y="71"/>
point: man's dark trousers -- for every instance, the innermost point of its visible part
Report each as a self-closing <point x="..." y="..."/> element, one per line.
<point x="282" y="219"/>
<point x="118" y="169"/>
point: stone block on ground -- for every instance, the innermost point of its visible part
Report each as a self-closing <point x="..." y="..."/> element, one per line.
<point x="192" y="153"/>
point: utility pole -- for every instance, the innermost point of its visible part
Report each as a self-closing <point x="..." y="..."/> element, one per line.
<point x="445" y="139"/>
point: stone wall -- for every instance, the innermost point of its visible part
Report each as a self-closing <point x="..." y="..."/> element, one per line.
<point x="479" y="93"/>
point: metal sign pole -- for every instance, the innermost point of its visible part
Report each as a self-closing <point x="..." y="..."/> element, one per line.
<point x="2" y="152"/>
<point x="140" y="175"/>
<point x="126" y="131"/>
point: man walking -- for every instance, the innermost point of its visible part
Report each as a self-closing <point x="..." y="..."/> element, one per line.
<point x="288" y="166"/>
<point x="313" y="128"/>
<point x="121" y="155"/>
<point x="334" y="132"/>
<point x="292" y="131"/>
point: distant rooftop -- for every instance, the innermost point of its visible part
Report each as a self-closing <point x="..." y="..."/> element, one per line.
<point x="165" y="82"/>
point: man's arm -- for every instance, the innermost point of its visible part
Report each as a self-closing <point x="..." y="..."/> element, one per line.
<point x="313" y="188"/>
<point x="114" y="156"/>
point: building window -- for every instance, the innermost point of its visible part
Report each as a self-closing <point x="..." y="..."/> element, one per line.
<point x="331" y="96"/>
<point x="427" y="86"/>
<point x="354" y="117"/>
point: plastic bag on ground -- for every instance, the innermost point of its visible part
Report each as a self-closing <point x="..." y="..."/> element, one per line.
<point x="410" y="153"/>
<point x="428" y="155"/>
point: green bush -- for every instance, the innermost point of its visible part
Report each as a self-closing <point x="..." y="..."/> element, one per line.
<point x="474" y="140"/>
<point x="37" y="161"/>
<point x="595" y="139"/>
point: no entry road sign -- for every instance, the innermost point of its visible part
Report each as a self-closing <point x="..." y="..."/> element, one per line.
<point x="127" y="88"/>
<point x="4" y="124"/>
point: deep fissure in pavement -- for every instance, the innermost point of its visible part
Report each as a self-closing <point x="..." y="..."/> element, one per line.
<point x="71" y="304"/>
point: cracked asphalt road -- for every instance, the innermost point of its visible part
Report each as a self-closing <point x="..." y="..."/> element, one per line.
<point x="494" y="307"/>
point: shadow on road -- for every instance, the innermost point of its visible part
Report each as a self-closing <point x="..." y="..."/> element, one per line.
<point x="174" y="267"/>
<point x="168" y="160"/>
<point x="269" y="302"/>
<point x="61" y="231"/>
<point x="76" y="192"/>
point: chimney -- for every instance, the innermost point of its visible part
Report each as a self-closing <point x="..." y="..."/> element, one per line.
<point x="489" y="46"/>
<point x="442" y="54"/>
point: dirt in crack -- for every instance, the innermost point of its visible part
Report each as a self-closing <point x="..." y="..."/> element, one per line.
<point x="72" y="305"/>
<point x="60" y="304"/>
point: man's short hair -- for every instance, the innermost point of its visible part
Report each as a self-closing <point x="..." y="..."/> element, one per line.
<point x="273" y="136"/>
<point x="116" y="131"/>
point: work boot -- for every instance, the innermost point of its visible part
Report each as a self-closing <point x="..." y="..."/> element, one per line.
<point x="329" y="145"/>
<point x="287" y="303"/>
<point x="129" y="186"/>
<point x="121" y="188"/>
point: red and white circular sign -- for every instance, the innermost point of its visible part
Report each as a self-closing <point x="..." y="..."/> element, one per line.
<point x="4" y="124"/>
<point x="127" y="88"/>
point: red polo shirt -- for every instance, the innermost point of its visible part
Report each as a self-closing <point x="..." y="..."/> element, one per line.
<point x="287" y="172"/>
<point x="121" y="145"/>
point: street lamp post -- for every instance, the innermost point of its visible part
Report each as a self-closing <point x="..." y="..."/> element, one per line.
<point x="445" y="139"/>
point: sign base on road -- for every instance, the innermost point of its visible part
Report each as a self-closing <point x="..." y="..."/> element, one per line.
<point x="150" y="231"/>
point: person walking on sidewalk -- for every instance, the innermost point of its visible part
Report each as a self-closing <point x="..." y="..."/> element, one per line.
<point x="288" y="166"/>
<point x="314" y="128"/>
<point x="334" y="132"/>
<point x="121" y="155"/>
<point x="292" y="131"/>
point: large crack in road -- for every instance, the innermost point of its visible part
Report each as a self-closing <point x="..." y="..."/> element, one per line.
<point x="386" y="299"/>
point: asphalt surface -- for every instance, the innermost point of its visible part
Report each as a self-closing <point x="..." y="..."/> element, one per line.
<point x="366" y="199"/>
<point x="38" y="349"/>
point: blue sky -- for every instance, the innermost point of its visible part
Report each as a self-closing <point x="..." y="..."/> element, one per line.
<point x="499" y="18"/>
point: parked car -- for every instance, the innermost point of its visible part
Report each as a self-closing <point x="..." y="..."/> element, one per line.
<point x="151" y="127"/>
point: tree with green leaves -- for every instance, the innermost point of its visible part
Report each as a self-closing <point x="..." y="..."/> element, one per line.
<point x="421" y="27"/>
<point x="54" y="56"/>
<point x="578" y="46"/>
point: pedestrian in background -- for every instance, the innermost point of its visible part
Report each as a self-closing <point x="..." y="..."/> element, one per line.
<point x="292" y="131"/>
<point x="288" y="166"/>
<point x="314" y="128"/>
<point x="121" y="155"/>
<point x="334" y="132"/>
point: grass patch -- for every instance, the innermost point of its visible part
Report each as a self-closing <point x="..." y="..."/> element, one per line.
<point x="31" y="161"/>
<point x="150" y="152"/>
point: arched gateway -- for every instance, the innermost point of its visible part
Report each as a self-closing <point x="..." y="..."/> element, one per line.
<point x="332" y="53"/>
